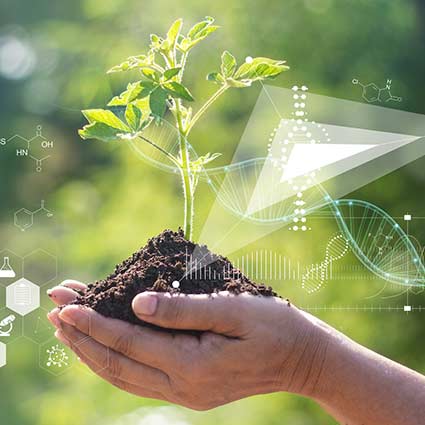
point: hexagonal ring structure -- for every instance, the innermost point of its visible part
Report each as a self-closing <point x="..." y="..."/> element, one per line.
<point x="24" y="219"/>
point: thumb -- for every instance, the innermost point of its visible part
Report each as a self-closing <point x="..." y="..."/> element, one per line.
<point x="219" y="313"/>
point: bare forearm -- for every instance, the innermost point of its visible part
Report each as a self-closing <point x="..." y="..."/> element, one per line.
<point x="360" y="387"/>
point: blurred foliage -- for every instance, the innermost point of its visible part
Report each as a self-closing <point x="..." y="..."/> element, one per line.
<point x="107" y="202"/>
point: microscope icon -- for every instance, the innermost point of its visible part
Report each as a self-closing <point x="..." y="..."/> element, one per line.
<point x="6" y="325"/>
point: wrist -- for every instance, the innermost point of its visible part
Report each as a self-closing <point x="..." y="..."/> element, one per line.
<point x="309" y="364"/>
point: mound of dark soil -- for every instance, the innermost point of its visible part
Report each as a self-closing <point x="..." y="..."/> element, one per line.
<point x="166" y="264"/>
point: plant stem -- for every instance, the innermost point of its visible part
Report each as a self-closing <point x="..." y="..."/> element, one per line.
<point x="188" y="189"/>
<point x="206" y="105"/>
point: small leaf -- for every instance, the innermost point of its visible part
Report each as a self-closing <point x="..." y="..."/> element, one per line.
<point x="143" y="105"/>
<point x="197" y="33"/>
<point x="151" y="74"/>
<point x="170" y="73"/>
<point x="124" y="66"/>
<point x="155" y="42"/>
<point x="169" y="43"/>
<point x="134" y="62"/>
<point x="158" y="102"/>
<point x="133" y="115"/>
<point x="100" y="131"/>
<point x="178" y="90"/>
<point x="197" y="28"/>
<point x="197" y="165"/>
<point x="215" y="77"/>
<point x="228" y="64"/>
<point x="260" y="69"/>
<point x="139" y="89"/>
<point x="105" y="117"/>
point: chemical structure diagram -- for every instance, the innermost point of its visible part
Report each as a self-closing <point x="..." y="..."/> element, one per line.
<point x="56" y="357"/>
<point x="28" y="150"/>
<point x="372" y="93"/>
<point x="24" y="219"/>
<point x="381" y="242"/>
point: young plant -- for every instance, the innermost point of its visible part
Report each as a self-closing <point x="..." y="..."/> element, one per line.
<point x="160" y="88"/>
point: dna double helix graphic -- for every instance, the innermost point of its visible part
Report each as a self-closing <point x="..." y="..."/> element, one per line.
<point x="372" y="234"/>
<point x="318" y="274"/>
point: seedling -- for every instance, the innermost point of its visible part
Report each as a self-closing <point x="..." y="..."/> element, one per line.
<point x="160" y="88"/>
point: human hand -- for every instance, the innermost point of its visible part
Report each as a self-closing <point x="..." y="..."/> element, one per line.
<point x="248" y="345"/>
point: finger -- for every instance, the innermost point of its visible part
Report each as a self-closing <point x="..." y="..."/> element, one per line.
<point x="53" y="317"/>
<point x="138" y="390"/>
<point x="62" y="295"/>
<point x="74" y="284"/>
<point x="220" y="313"/>
<point x="148" y="346"/>
<point x="115" y="364"/>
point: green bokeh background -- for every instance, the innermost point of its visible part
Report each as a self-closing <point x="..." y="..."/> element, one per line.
<point x="107" y="202"/>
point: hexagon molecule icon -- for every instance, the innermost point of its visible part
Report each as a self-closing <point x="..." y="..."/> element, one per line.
<point x="24" y="219"/>
<point x="23" y="297"/>
<point x="2" y="354"/>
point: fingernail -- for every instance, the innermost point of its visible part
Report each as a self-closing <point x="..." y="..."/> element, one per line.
<point x="53" y="318"/>
<point x="50" y="292"/>
<point x="145" y="304"/>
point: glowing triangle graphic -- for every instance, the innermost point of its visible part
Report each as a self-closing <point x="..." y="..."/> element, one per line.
<point x="305" y="158"/>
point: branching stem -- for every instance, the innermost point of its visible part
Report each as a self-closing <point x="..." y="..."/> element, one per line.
<point x="206" y="105"/>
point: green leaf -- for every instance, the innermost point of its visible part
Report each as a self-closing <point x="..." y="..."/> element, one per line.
<point x="143" y="105"/>
<point x="178" y="90"/>
<point x="173" y="33"/>
<point x="216" y="77"/>
<point x="155" y="42"/>
<point x="139" y="89"/>
<point x="158" y="102"/>
<point x="228" y="64"/>
<point x="151" y="74"/>
<point x="170" y="73"/>
<point x="133" y="115"/>
<point x="260" y="69"/>
<point x="199" y="27"/>
<point x="99" y="131"/>
<point x="104" y="116"/>
<point x="197" y="33"/>
<point x="197" y="165"/>
<point x="134" y="62"/>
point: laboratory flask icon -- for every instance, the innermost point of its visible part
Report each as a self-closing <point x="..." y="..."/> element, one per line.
<point x="6" y="270"/>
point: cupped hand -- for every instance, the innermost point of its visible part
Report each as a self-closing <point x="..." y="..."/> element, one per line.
<point x="246" y="345"/>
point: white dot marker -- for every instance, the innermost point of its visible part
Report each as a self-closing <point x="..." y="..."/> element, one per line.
<point x="176" y="284"/>
<point x="249" y="59"/>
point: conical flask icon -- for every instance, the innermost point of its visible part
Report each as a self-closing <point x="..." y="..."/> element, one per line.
<point x="6" y="270"/>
